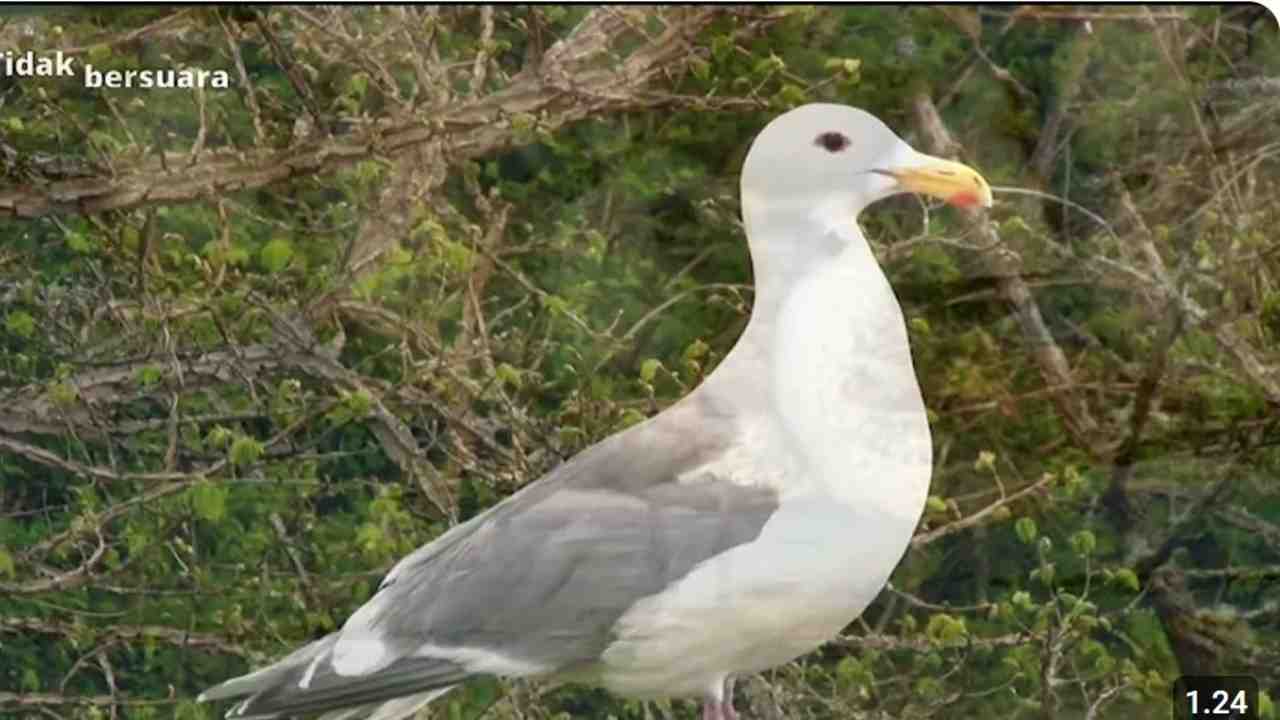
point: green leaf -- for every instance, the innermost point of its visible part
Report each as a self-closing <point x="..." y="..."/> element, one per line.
<point x="245" y="450"/>
<point x="136" y="539"/>
<point x="7" y="567"/>
<point x="722" y="46"/>
<point x="523" y="126"/>
<point x="696" y="350"/>
<point x="129" y="237"/>
<point x="771" y="64"/>
<point x="935" y="504"/>
<point x="149" y="375"/>
<point x="20" y="323"/>
<point x="218" y="436"/>
<point x="1045" y="574"/>
<point x="1084" y="542"/>
<point x="275" y="255"/>
<point x="358" y="84"/>
<point x="1126" y="578"/>
<point x="649" y="369"/>
<point x="789" y="95"/>
<point x="555" y="304"/>
<point x="30" y="680"/>
<point x="848" y="66"/>
<point x="928" y="688"/>
<point x="359" y="403"/>
<point x="78" y="242"/>
<point x="371" y="540"/>
<point x="851" y="671"/>
<point x="63" y="394"/>
<point x="237" y="255"/>
<point x="943" y="629"/>
<point x="1026" y="530"/>
<point x="209" y="501"/>
<point x="508" y="375"/>
<point x="701" y="69"/>
<point x="986" y="461"/>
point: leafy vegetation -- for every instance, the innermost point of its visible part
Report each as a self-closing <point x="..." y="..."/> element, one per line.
<point x="258" y="343"/>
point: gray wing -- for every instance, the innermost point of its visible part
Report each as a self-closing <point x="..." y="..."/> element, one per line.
<point x="535" y="585"/>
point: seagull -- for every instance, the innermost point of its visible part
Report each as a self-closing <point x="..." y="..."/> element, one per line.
<point x="737" y="530"/>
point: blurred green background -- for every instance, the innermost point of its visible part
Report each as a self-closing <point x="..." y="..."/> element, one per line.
<point x="257" y="343"/>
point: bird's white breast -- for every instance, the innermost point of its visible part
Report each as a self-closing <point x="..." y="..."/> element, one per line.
<point x="847" y="391"/>
<point x="813" y="569"/>
<point x="846" y="442"/>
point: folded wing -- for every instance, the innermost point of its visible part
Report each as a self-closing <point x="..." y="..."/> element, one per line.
<point x="532" y="587"/>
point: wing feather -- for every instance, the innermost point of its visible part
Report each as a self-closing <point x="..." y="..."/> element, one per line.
<point x="534" y="586"/>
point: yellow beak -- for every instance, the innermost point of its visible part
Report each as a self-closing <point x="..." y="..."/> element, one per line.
<point x="957" y="184"/>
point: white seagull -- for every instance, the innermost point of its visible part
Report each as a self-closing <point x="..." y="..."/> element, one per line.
<point x="737" y="530"/>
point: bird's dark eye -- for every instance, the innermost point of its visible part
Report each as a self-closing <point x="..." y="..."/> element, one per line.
<point x="832" y="141"/>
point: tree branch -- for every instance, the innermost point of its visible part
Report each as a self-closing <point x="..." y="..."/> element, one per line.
<point x="564" y="87"/>
<point x="1006" y="267"/>
<point x="172" y="636"/>
<point x="925" y="538"/>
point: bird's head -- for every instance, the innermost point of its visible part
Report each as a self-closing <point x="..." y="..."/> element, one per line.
<point x="838" y="156"/>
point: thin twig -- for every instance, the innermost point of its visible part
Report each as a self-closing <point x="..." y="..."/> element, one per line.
<point x="925" y="538"/>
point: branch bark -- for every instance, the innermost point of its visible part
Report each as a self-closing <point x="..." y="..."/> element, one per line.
<point x="977" y="518"/>
<point x="172" y="636"/>
<point x="1005" y="265"/>
<point x="566" y="85"/>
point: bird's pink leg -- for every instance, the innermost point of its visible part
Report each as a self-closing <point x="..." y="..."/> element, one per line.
<point x="726" y="708"/>
<point x="712" y="710"/>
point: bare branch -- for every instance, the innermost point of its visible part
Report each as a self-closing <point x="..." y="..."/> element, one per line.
<point x="564" y="87"/>
<point x="925" y="538"/>
<point x="1005" y="266"/>
<point x="115" y="632"/>
<point x="42" y="701"/>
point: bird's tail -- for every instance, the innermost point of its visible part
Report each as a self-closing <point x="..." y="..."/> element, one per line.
<point x="304" y="683"/>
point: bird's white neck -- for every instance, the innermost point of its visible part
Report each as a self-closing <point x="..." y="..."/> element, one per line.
<point x="826" y="349"/>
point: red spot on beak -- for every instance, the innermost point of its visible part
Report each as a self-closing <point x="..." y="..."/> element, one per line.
<point x="963" y="200"/>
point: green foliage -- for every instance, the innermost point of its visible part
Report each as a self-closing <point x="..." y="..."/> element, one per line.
<point x="275" y="255"/>
<point x="241" y="407"/>
<point x="209" y="501"/>
<point x="1126" y="578"/>
<point x="1084" y="542"/>
<point x="20" y="323"/>
<point x="149" y="375"/>
<point x="7" y="567"/>
<point x="1026" y="529"/>
<point x="244" y="450"/>
<point x="944" y="629"/>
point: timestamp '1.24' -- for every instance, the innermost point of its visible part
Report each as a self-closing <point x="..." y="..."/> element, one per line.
<point x="1225" y="697"/>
